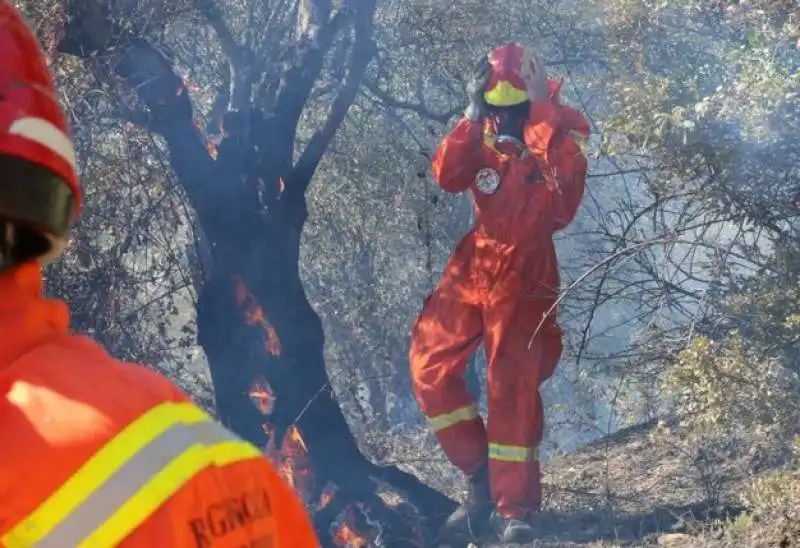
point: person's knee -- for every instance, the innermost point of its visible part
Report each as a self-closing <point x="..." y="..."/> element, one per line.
<point x="431" y="397"/>
<point x="425" y="381"/>
<point x="552" y="349"/>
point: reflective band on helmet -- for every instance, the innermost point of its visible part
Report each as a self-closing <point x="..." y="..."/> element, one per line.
<point x="45" y="133"/>
<point x="462" y="414"/>
<point x="512" y="453"/>
<point x="504" y="94"/>
<point x="129" y="479"/>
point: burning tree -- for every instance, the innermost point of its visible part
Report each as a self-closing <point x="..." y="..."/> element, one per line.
<point x="247" y="185"/>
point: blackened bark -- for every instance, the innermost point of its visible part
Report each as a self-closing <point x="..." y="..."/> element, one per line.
<point x="254" y="318"/>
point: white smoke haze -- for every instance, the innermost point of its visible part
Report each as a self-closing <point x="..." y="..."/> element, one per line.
<point x="690" y="206"/>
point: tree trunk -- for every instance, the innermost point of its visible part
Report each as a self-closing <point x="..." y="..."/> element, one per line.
<point x="265" y="349"/>
<point x="263" y="340"/>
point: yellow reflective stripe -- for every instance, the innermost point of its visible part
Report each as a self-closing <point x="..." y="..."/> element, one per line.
<point x="163" y="485"/>
<point x="446" y="420"/>
<point x="102" y="466"/>
<point x="127" y="479"/>
<point x="513" y="453"/>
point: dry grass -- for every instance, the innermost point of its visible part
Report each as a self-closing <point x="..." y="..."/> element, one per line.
<point x="649" y="485"/>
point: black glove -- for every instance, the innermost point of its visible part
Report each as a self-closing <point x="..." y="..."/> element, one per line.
<point x="476" y="110"/>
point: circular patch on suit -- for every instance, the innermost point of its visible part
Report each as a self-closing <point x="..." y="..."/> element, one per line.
<point x="487" y="180"/>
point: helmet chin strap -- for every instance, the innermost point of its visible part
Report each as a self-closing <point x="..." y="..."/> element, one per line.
<point x="8" y="245"/>
<point x="20" y="244"/>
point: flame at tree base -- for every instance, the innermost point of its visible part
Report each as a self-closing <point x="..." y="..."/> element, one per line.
<point x="291" y="460"/>
<point x="352" y="527"/>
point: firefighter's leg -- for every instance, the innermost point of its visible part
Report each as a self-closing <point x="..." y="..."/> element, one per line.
<point x="516" y="422"/>
<point x="446" y="334"/>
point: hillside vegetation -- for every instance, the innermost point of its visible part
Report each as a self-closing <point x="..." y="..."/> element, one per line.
<point x="279" y="258"/>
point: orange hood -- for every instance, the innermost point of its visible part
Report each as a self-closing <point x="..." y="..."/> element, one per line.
<point x="510" y="65"/>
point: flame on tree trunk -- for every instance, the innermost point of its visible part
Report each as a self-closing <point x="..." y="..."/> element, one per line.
<point x="263" y="340"/>
<point x="287" y="407"/>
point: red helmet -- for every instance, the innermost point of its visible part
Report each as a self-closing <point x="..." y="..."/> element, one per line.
<point x="511" y="67"/>
<point x="39" y="191"/>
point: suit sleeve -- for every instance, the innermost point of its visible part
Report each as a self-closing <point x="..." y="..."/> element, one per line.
<point x="556" y="136"/>
<point x="459" y="156"/>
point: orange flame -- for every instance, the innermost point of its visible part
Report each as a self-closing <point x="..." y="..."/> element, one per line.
<point x="211" y="143"/>
<point x="255" y="315"/>
<point x="291" y="460"/>
<point x="346" y="537"/>
<point x="295" y="466"/>
<point x="345" y="534"/>
<point x="190" y="86"/>
<point x="326" y="496"/>
<point x="262" y="395"/>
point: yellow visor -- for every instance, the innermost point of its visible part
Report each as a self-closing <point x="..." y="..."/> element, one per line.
<point x="504" y="94"/>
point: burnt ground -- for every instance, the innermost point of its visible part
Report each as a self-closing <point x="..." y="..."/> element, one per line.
<point x="647" y="485"/>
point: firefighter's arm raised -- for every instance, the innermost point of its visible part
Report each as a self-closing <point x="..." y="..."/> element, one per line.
<point x="556" y="135"/>
<point x="459" y="156"/>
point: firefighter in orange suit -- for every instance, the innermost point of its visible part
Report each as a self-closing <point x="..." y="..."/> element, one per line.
<point x="519" y="151"/>
<point x="99" y="453"/>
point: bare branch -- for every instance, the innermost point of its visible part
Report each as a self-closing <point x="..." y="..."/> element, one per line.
<point x="239" y="57"/>
<point x="419" y="108"/>
<point x="299" y="79"/>
<point x="311" y="16"/>
<point x="213" y="15"/>
<point x="221" y="105"/>
<point x="361" y="54"/>
<point x="113" y="52"/>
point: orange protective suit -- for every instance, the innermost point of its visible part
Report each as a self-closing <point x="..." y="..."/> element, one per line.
<point x="99" y="453"/>
<point x="500" y="284"/>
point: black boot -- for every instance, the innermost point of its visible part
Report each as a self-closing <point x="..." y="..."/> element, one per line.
<point x="470" y="521"/>
<point x="512" y="530"/>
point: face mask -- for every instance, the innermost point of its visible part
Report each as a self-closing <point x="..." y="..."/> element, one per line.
<point x="509" y="120"/>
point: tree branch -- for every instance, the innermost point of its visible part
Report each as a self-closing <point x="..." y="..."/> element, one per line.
<point x="93" y="36"/>
<point x="221" y="105"/>
<point x="311" y="16"/>
<point x="299" y="79"/>
<point x="422" y="110"/>
<point x="361" y="54"/>
<point x="419" y="108"/>
<point x="240" y="58"/>
<point x="213" y="15"/>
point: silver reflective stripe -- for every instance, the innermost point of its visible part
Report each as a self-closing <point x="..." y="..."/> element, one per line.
<point x="139" y="470"/>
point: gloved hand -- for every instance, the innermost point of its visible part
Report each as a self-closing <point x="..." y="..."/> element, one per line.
<point x="536" y="78"/>
<point x="477" y="108"/>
